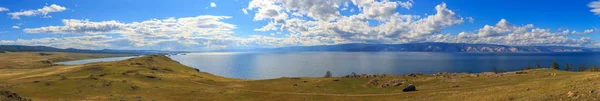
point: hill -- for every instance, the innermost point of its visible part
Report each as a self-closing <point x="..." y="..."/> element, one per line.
<point x="20" y="48"/>
<point x="418" y="47"/>
<point x="156" y="77"/>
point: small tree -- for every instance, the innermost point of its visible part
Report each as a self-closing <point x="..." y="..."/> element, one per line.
<point x="581" y="68"/>
<point x="555" y="65"/>
<point x="495" y="70"/>
<point x="528" y="66"/>
<point x="592" y="68"/>
<point x="538" y="65"/>
<point x="567" y="66"/>
<point x="328" y="74"/>
<point x="354" y="74"/>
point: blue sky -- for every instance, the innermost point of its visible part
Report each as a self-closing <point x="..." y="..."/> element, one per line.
<point x="196" y="25"/>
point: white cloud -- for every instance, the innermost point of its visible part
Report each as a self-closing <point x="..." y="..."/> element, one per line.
<point x="245" y="11"/>
<point x="213" y="5"/>
<point x="149" y="32"/>
<point x="595" y="5"/>
<point x="42" y="11"/>
<point x="2" y="9"/>
<point x="16" y="27"/>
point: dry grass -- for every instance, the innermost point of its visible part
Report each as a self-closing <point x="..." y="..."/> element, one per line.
<point x="160" y="78"/>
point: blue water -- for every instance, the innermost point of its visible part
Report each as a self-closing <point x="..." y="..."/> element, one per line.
<point x="95" y="60"/>
<point x="315" y="64"/>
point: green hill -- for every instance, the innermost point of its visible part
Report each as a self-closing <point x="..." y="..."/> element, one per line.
<point x="156" y="77"/>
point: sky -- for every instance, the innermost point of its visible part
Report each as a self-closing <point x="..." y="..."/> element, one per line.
<point x="197" y="25"/>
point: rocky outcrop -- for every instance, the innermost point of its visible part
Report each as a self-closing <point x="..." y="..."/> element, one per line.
<point x="11" y="96"/>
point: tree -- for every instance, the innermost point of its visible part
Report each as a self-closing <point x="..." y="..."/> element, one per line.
<point x="581" y="68"/>
<point x="328" y="74"/>
<point x="528" y="66"/>
<point x="555" y="65"/>
<point x="567" y="66"/>
<point x="354" y="74"/>
<point x="538" y="65"/>
<point x="495" y="70"/>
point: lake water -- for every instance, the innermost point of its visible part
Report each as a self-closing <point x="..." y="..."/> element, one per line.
<point x="315" y="64"/>
<point x="95" y="60"/>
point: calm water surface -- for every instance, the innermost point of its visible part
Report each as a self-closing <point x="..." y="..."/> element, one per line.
<point x="95" y="60"/>
<point x="315" y="64"/>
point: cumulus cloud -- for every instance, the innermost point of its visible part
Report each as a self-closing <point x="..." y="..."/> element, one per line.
<point x="595" y="5"/>
<point x="245" y="11"/>
<point x="42" y="11"/>
<point x="2" y="9"/>
<point x="505" y="33"/>
<point x="213" y="5"/>
<point x="302" y="23"/>
<point x="149" y="32"/>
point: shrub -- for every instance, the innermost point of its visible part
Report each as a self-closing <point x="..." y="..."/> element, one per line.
<point x="538" y="65"/>
<point x="567" y="66"/>
<point x="581" y="68"/>
<point x="328" y="74"/>
<point x="555" y="65"/>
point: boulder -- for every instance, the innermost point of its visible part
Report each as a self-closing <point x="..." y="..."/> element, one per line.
<point x="373" y="82"/>
<point x="409" y="88"/>
<point x="11" y="96"/>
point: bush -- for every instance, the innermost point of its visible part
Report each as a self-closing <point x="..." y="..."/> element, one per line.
<point x="567" y="67"/>
<point x="328" y="74"/>
<point x="555" y="65"/>
<point x="581" y="68"/>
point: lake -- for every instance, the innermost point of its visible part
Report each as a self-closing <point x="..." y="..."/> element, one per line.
<point x="95" y="60"/>
<point x="315" y="64"/>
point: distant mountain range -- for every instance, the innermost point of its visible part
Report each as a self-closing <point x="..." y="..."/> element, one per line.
<point x="418" y="47"/>
<point x="20" y="48"/>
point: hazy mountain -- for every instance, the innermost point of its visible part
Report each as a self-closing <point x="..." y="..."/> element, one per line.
<point x="420" y="47"/>
<point x="20" y="48"/>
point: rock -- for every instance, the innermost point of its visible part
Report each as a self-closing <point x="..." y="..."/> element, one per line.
<point x="395" y="82"/>
<point x="409" y="88"/>
<point x="521" y="72"/>
<point x="571" y="94"/>
<point x="305" y="81"/>
<point x="45" y="54"/>
<point x="336" y="80"/>
<point x="295" y="85"/>
<point x="373" y="82"/>
<point x="412" y="75"/>
<point x="455" y="86"/>
<point x="11" y="96"/>
<point x="475" y="75"/>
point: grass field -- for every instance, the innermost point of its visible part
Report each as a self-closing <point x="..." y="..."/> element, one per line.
<point x="159" y="78"/>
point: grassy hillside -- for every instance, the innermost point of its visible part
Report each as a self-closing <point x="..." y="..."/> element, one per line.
<point x="11" y="60"/>
<point x="159" y="78"/>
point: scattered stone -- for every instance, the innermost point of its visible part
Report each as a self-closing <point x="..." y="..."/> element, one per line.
<point x="571" y="94"/>
<point x="63" y="78"/>
<point x="475" y="75"/>
<point x="409" y="88"/>
<point x="135" y="87"/>
<point x="36" y="81"/>
<point x="305" y="81"/>
<point x="395" y="82"/>
<point x="11" y="96"/>
<point x="412" y="75"/>
<point x="373" y="82"/>
<point x="521" y="72"/>
<point x="45" y="54"/>
<point x="295" y="85"/>
<point x="455" y="86"/>
<point x="336" y="80"/>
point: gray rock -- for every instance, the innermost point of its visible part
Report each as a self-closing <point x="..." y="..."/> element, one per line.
<point x="409" y="88"/>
